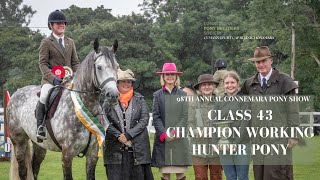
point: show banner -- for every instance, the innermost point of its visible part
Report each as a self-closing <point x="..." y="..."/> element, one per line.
<point x="262" y="127"/>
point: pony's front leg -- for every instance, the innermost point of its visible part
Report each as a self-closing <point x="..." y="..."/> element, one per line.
<point x="67" y="163"/>
<point x="91" y="162"/>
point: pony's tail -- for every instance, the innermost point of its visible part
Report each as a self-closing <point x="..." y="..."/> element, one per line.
<point x="14" y="171"/>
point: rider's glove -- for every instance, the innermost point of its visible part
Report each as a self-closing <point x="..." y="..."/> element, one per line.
<point x="57" y="81"/>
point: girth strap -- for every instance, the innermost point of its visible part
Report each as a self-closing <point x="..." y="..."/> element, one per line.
<point x="50" y="131"/>
<point x="84" y="152"/>
<point x="50" y="113"/>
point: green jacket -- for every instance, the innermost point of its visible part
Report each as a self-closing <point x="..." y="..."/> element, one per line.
<point x="278" y="84"/>
<point x="198" y="117"/>
<point x="284" y="114"/>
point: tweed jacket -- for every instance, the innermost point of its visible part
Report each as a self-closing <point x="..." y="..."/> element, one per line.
<point x="50" y="55"/>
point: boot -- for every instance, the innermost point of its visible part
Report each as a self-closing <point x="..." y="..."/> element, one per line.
<point x="41" y="129"/>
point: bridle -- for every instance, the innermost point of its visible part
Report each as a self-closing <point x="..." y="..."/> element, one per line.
<point x="96" y="82"/>
<point x="100" y="86"/>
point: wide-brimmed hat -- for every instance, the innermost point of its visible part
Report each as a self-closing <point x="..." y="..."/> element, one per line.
<point x="125" y="75"/>
<point x="261" y="53"/>
<point x="169" y="68"/>
<point x="204" y="78"/>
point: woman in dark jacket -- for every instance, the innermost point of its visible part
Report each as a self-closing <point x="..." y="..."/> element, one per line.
<point x="170" y="154"/>
<point x="127" y="146"/>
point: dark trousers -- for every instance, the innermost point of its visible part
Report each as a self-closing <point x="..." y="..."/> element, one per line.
<point x="127" y="170"/>
<point x="273" y="172"/>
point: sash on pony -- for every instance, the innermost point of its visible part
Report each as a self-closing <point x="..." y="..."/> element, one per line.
<point x="87" y="119"/>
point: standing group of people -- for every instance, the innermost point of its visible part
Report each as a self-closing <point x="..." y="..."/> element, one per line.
<point x="127" y="153"/>
<point x="213" y="164"/>
<point x="127" y="146"/>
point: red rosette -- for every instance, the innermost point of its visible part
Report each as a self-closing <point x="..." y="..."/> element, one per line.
<point x="58" y="71"/>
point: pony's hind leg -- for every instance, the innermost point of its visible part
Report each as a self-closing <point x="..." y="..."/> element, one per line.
<point x="38" y="156"/>
<point x="23" y="160"/>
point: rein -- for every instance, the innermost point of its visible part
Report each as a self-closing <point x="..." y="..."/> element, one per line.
<point x="92" y="92"/>
<point x="99" y="86"/>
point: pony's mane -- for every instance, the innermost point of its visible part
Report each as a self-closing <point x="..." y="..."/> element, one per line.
<point x="81" y="77"/>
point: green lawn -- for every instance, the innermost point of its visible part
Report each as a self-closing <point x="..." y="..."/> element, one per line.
<point x="51" y="167"/>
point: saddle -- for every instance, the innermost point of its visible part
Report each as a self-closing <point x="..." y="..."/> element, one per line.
<point x="54" y="96"/>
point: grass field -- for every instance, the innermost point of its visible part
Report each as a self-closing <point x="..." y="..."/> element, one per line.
<point x="51" y="169"/>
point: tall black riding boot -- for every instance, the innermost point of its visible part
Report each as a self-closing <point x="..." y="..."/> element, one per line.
<point x="41" y="129"/>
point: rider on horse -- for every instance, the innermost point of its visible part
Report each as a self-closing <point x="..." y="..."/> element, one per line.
<point x="56" y="50"/>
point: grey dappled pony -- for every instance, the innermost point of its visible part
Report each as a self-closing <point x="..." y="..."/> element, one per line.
<point x="95" y="77"/>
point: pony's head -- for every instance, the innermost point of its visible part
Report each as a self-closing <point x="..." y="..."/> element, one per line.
<point x="105" y="70"/>
<point x="98" y="72"/>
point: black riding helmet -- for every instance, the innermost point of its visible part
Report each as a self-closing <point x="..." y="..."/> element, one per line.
<point x="56" y="16"/>
<point x="220" y="63"/>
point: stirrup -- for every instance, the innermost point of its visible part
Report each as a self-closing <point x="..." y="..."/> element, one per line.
<point x="40" y="136"/>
